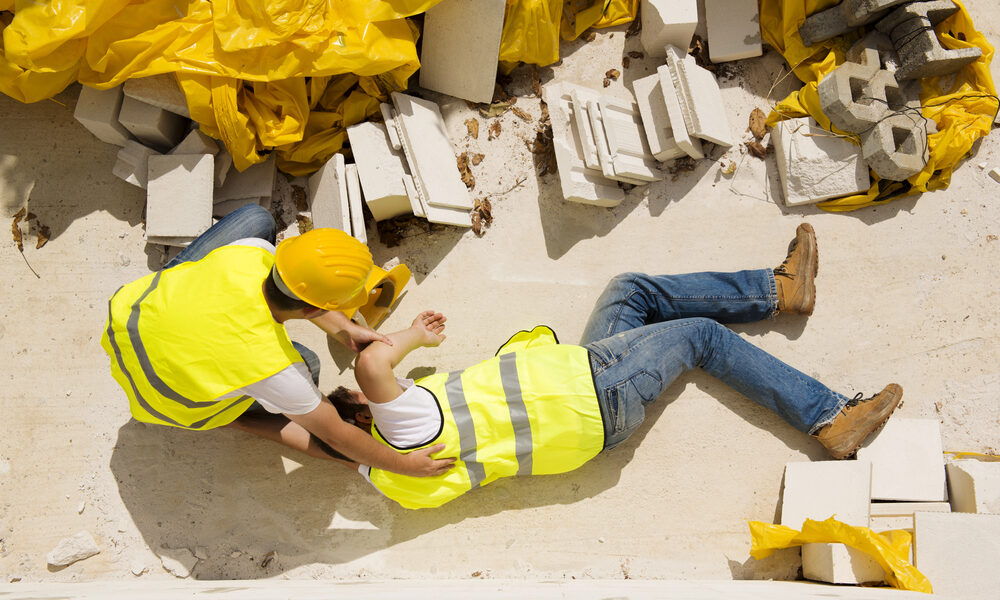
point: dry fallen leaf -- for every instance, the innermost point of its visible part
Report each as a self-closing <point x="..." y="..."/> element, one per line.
<point x="634" y="28"/>
<point x="19" y="215"/>
<point x="476" y="158"/>
<point x="16" y="232"/>
<point x="463" y="168"/>
<point x="30" y="217"/>
<point x="485" y="209"/>
<point x="494" y="130"/>
<point x="304" y="222"/>
<point x="267" y="559"/>
<point x="536" y="83"/>
<point x="496" y="109"/>
<point x="613" y="73"/>
<point x="477" y="223"/>
<point x="299" y="197"/>
<point x="591" y="36"/>
<point x="472" y="127"/>
<point x="607" y="82"/>
<point x="636" y="54"/>
<point x="756" y="149"/>
<point x="521" y="114"/>
<point x="625" y="62"/>
<point x="43" y="236"/>
<point x="758" y="122"/>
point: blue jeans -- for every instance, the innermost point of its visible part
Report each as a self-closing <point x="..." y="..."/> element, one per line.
<point x="250" y="221"/>
<point x="646" y="330"/>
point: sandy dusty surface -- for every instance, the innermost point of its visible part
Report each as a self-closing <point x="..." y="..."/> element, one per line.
<point x="907" y="292"/>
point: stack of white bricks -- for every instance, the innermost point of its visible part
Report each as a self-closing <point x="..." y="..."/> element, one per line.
<point x="408" y="164"/>
<point x="599" y="141"/>
<point x="189" y="178"/>
<point x="335" y="198"/>
<point x="900" y="482"/>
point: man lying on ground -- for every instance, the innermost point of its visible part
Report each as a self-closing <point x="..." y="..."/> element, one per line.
<point x="541" y="407"/>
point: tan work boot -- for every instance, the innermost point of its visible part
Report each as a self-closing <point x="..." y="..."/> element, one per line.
<point x="857" y="420"/>
<point x="796" y="277"/>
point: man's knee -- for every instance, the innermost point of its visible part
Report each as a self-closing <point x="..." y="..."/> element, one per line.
<point x="259" y="222"/>
<point x="622" y="281"/>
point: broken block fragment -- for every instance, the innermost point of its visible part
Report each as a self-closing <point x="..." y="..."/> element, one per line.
<point x="667" y="22"/>
<point x="133" y="163"/>
<point x="682" y="137"/>
<point x="655" y="120"/>
<point x="974" y="486"/>
<point x="151" y="125"/>
<point x="815" y="164"/>
<point x="356" y="203"/>
<point x="179" y="195"/>
<point x="459" y="52"/>
<point x="907" y="461"/>
<point x="161" y="91"/>
<point x="257" y="181"/>
<point x="98" y="110"/>
<point x="733" y="29"/>
<point x="381" y="169"/>
<point x="700" y="98"/>
<point x="328" y="199"/>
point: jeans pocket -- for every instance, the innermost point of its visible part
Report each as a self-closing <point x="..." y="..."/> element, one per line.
<point x="626" y="405"/>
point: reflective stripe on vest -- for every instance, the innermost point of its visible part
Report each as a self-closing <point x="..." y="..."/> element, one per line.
<point x="180" y="339"/>
<point x="529" y="411"/>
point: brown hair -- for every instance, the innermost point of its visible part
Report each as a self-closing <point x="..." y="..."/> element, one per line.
<point x="346" y="407"/>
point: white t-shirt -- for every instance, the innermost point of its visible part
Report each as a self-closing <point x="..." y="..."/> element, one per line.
<point x="291" y="390"/>
<point x="410" y="420"/>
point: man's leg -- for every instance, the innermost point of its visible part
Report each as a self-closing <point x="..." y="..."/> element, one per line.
<point x="632" y="368"/>
<point x="250" y="221"/>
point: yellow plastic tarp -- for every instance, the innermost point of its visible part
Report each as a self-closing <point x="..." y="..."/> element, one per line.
<point x="254" y="72"/>
<point x="963" y="112"/>
<point x="891" y="549"/>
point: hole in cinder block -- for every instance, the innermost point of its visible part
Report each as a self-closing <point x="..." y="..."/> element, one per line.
<point x="903" y="140"/>
<point x="858" y="90"/>
<point x="895" y="98"/>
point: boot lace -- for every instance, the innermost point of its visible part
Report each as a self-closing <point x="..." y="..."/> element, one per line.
<point x="855" y="400"/>
<point x="782" y="269"/>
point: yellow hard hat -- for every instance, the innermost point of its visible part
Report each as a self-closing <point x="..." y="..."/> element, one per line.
<point x="324" y="267"/>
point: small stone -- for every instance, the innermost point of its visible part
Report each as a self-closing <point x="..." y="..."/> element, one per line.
<point x="600" y="540"/>
<point x="79" y="509"/>
<point x="122" y="525"/>
<point x="72" y="549"/>
<point x="138" y="569"/>
<point x="201" y="552"/>
<point x="235" y="554"/>
<point x="4" y="467"/>
<point x="123" y="261"/>
<point x="69" y="393"/>
<point x="177" y="561"/>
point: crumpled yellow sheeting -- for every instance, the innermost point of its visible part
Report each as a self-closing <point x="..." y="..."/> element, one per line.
<point x="243" y="64"/>
<point x="891" y="549"/>
<point x="963" y="113"/>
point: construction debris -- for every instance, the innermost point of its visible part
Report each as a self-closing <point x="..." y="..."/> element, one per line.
<point x="758" y="126"/>
<point x="179" y="562"/>
<point x="667" y="22"/>
<point x="814" y="164"/>
<point x="73" y="549"/>
<point x="459" y="54"/>
<point x="472" y="126"/>
<point x="733" y="30"/>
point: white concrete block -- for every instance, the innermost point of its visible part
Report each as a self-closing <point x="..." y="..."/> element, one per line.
<point x="690" y="145"/>
<point x="603" y="151"/>
<point x="389" y="116"/>
<point x="655" y="120"/>
<point x="959" y="553"/>
<point x="257" y="181"/>
<point x="98" y="110"/>
<point x="816" y="165"/>
<point x="173" y="241"/>
<point x="381" y="169"/>
<point x="705" y="114"/>
<point x="357" y="203"/>
<point x="839" y="563"/>
<point x="899" y="515"/>
<point x="179" y="195"/>
<point x="578" y="182"/>
<point x="161" y="91"/>
<point x="626" y="140"/>
<point x="974" y="486"/>
<point x="448" y="216"/>
<point x="429" y="153"/>
<point x="133" y="163"/>
<point x="221" y="209"/>
<point x="667" y="22"/>
<point x="907" y="461"/>
<point x="151" y="125"/>
<point x="733" y="29"/>
<point x="459" y="54"/>
<point x="328" y="195"/>
<point x="824" y="489"/>
<point x="583" y="125"/>
<point x="413" y="195"/>
<point x="223" y="162"/>
<point x="71" y="549"/>
<point x="196" y="142"/>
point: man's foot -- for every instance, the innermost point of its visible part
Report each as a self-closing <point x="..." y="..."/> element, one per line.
<point x="858" y="420"/>
<point x="796" y="277"/>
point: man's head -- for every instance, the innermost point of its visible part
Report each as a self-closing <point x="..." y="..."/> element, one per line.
<point x="352" y="406"/>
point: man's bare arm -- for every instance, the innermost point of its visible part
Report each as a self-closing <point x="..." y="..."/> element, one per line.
<point x="347" y="332"/>
<point x="374" y="368"/>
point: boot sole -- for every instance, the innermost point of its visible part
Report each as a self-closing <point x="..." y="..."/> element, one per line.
<point x="878" y="427"/>
<point x="810" y="300"/>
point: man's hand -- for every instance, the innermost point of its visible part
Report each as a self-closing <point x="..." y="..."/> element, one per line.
<point x="356" y="338"/>
<point x="420" y="464"/>
<point x="429" y="326"/>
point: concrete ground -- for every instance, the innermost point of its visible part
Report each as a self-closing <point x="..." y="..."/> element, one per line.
<point x="907" y="292"/>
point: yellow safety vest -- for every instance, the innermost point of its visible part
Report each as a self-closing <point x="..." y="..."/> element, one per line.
<point x="530" y="410"/>
<point x="180" y="338"/>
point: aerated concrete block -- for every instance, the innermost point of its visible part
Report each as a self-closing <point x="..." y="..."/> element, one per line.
<point x="655" y="120"/>
<point x="429" y="153"/>
<point x="623" y="142"/>
<point x="459" y="54"/>
<point x="899" y="515"/>
<point x="974" y="486"/>
<point x="907" y="461"/>
<point x="389" y="117"/>
<point x="682" y="137"/>
<point x="381" y="169"/>
<point x="196" y="142"/>
<point x="98" y="110"/>
<point x="328" y="198"/>
<point x="221" y="209"/>
<point x="413" y="194"/>
<point x="151" y="125"/>
<point x="133" y="163"/>
<point x="733" y="29"/>
<point x="839" y="563"/>
<point x="911" y="28"/>
<point x="356" y="203"/>
<point x="842" y="18"/>
<point x="179" y="195"/>
<point x="578" y="182"/>
<point x="700" y="98"/>
<point x="257" y="181"/>
<point x="959" y="553"/>
<point x="161" y="91"/>
<point x="814" y="164"/>
<point x="823" y="489"/>
<point x="667" y="22"/>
